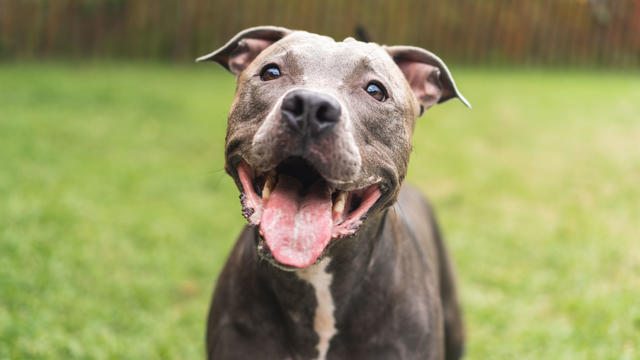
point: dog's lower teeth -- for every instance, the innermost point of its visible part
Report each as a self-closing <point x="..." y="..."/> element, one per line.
<point x="338" y="204"/>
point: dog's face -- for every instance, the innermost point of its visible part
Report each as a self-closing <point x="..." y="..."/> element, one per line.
<point x="319" y="132"/>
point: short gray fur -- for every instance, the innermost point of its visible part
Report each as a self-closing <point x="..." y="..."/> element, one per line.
<point x="393" y="286"/>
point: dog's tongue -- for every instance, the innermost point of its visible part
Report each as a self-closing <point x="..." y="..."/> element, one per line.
<point x="297" y="227"/>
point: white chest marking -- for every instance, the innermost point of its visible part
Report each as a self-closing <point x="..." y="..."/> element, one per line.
<point x="324" y="323"/>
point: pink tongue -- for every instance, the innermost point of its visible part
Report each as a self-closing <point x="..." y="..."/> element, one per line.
<point x="297" y="228"/>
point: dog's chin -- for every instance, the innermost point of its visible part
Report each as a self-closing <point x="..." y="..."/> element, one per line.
<point x="299" y="213"/>
<point x="265" y="254"/>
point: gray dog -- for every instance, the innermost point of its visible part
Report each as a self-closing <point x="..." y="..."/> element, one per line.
<point x="339" y="261"/>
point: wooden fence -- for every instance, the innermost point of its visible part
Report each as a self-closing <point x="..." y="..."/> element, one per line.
<point x="536" y="32"/>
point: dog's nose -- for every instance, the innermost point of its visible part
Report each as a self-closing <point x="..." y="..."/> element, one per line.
<point x="310" y="112"/>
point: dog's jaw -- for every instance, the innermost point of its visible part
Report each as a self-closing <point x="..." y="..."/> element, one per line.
<point x="298" y="218"/>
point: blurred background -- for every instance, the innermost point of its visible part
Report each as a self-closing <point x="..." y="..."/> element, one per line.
<point x="116" y="214"/>
<point x="538" y="32"/>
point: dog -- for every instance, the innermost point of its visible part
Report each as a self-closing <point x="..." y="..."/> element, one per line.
<point x="339" y="260"/>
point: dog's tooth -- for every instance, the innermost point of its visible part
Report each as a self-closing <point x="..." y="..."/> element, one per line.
<point x="338" y="204"/>
<point x="268" y="187"/>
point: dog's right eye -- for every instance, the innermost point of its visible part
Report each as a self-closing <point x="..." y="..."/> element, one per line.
<point x="270" y="72"/>
<point x="376" y="91"/>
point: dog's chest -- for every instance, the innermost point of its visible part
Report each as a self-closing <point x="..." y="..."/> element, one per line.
<point x="323" y="321"/>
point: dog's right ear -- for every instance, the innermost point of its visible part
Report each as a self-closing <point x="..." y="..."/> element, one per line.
<point x="427" y="74"/>
<point x="240" y="51"/>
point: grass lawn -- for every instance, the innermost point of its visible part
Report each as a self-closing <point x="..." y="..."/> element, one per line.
<point x="116" y="215"/>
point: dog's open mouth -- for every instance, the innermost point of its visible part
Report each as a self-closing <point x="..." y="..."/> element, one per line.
<point x="298" y="211"/>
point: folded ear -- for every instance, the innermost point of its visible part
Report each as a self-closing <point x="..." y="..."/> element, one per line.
<point x="240" y="51"/>
<point x="427" y="75"/>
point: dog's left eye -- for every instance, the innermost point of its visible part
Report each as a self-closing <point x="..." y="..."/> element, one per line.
<point x="376" y="91"/>
<point x="270" y="72"/>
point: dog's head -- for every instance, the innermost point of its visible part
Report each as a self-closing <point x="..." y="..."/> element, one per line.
<point x="319" y="133"/>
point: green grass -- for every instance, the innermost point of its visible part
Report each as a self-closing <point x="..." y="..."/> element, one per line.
<point x="116" y="215"/>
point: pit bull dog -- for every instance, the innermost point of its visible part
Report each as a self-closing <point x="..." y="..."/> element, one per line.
<point x="338" y="261"/>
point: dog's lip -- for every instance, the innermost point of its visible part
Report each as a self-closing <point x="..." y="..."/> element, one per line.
<point x="356" y="204"/>
<point x="335" y="184"/>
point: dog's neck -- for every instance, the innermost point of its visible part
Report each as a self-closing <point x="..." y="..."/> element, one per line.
<point x="314" y="301"/>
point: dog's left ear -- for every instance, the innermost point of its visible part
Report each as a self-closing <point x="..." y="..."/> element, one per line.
<point x="427" y="75"/>
<point x="240" y="51"/>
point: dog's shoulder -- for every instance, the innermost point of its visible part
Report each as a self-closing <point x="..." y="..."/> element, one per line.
<point x="413" y="203"/>
<point x="416" y="214"/>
